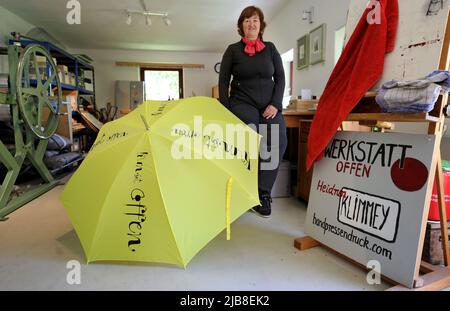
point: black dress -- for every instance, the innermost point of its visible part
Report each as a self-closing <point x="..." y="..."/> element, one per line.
<point x="258" y="81"/>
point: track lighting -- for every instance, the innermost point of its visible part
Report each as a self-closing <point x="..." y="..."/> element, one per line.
<point x="148" y="14"/>
<point x="167" y="21"/>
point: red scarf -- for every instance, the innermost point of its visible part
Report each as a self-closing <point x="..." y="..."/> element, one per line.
<point x="251" y="47"/>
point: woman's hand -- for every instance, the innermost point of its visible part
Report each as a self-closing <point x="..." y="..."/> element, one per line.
<point x="270" y="112"/>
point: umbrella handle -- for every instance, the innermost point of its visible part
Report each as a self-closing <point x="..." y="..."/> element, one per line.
<point x="228" y="205"/>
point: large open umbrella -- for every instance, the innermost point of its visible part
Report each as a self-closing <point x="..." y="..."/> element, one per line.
<point x="162" y="181"/>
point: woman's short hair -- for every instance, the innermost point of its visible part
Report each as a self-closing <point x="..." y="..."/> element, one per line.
<point x="247" y="13"/>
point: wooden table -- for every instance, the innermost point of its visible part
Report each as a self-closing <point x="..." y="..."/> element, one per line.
<point x="298" y="123"/>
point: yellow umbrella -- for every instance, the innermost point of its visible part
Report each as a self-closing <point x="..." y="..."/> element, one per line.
<point x="156" y="184"/>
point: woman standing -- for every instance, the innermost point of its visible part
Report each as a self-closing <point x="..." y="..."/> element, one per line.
<point x="256" y="95"/>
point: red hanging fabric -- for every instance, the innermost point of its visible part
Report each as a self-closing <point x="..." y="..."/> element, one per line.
<point x="358" y="69"/>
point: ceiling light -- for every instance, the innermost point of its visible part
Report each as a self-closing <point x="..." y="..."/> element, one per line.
<point x="167" y="21"/>
<point x="148" y="14"/>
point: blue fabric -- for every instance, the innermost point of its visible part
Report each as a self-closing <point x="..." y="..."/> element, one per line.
<point x="413" y="96"/>
<point x="441" y="77"/>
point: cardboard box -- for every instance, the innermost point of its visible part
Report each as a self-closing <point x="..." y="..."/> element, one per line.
<point x="88" y="74"/>
<point x="62" y="77"/>
<point x="89" y="87"/>
<point x="66" y="77"/>
<point x="65" y="120"/>
<point x="71" y="97"/>
<point x="63" y="68"/>
<point x="69" y="78"/>
<point x="305" y="105"/>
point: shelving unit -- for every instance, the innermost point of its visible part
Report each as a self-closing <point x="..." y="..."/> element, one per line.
<point x="74" y="64"/>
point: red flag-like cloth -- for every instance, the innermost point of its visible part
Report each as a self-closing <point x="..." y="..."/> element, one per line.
<point x="358" y="69"/>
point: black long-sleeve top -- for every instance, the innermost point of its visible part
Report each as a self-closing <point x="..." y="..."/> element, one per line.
<point x="257" y="80"/>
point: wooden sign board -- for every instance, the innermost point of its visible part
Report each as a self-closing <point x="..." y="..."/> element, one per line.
<point x="367" y="199"/>
<point x="419" y="41"/>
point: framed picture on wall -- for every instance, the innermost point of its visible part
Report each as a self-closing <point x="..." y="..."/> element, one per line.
<point x="317" y="39"/>
<point x="303" y="52"/>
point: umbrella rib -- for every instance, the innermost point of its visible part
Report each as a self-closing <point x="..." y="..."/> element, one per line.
<point x="164" y="204"/>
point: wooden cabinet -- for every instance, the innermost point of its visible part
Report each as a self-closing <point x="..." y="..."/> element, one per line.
<point x="303" y="177"/>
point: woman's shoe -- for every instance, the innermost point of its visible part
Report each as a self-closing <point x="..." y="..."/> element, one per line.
<point x="260" y="211"/>
<point x="263" y="210"/>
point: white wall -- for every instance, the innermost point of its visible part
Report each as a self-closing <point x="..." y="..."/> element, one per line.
<point x="287" y="27"/>
<point x="10" y="22"/>
<point x="196" y="81"/>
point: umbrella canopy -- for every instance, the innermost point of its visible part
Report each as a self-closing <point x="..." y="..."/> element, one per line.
<point x="155" y="184"/>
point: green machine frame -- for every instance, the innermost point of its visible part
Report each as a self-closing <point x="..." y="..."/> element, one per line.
<point x="27" y="99"/>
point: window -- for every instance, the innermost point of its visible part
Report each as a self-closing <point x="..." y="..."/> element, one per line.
<point x="162" y="83"/>
<point x="339" y="38"/>
<point x="288" y="65"/>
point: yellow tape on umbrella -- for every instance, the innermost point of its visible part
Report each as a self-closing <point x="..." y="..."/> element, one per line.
<point x="229" y="188"/>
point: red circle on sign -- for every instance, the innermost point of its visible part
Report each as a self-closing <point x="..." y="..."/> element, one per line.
<point x="412" y="177"/>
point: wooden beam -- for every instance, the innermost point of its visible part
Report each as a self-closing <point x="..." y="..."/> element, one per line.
<point x="159" y="65"/>
<point x="433" y="281"/>
<point x="442" y="211"/>
<point x="426" y="267"/>
<point x="305" y="243"/>
<point x="377" y="117"/>
<point x="392" y="117"/>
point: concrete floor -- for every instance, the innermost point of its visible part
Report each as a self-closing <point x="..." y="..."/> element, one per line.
<point x="38" y="241"/>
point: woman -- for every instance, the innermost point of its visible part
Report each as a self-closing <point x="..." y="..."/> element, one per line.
<point x="256" y="95"/>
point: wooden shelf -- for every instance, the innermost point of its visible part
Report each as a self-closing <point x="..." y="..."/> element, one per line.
<point x="386" y="117"/>
<point x="392" y="117"/>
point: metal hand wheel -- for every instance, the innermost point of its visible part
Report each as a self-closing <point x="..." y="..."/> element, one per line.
<point x="33" y="95"/>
